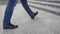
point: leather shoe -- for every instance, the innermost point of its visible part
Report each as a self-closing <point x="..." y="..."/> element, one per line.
<point x="10" y="26"/>
<point x="32" y="17"/>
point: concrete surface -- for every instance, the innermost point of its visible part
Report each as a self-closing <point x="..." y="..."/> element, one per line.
<point x="46" y="22"/>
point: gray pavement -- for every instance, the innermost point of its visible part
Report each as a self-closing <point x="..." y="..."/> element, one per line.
<point x="46" y="22"/>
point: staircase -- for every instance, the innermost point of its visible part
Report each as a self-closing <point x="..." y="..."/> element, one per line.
<point x="51" y="7"/>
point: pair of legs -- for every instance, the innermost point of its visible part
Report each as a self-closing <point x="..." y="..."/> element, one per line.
<point x="9" y="11"/>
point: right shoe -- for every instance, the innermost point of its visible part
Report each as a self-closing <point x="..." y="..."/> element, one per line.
<point x="10" y="26"/>
<point x="32" y="17"/>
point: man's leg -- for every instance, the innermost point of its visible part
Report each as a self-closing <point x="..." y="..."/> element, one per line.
<point x="29" y="11"/>
<point x="8" y="14"/>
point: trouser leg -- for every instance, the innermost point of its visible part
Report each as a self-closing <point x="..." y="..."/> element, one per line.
<point x="26" y="7"/>
<point x="9" y="12"/>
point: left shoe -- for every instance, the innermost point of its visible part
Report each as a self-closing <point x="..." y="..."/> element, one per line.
<point x="32" y="17"/>
<point x="10" y="26"/>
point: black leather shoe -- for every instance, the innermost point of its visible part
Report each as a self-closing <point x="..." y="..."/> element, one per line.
<point x="13" y="25"/>
<point x="10" y="26"/>
<point x="32" y="17"/>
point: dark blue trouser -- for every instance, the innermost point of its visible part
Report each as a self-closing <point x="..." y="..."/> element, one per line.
<point x="9" y="10"/>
